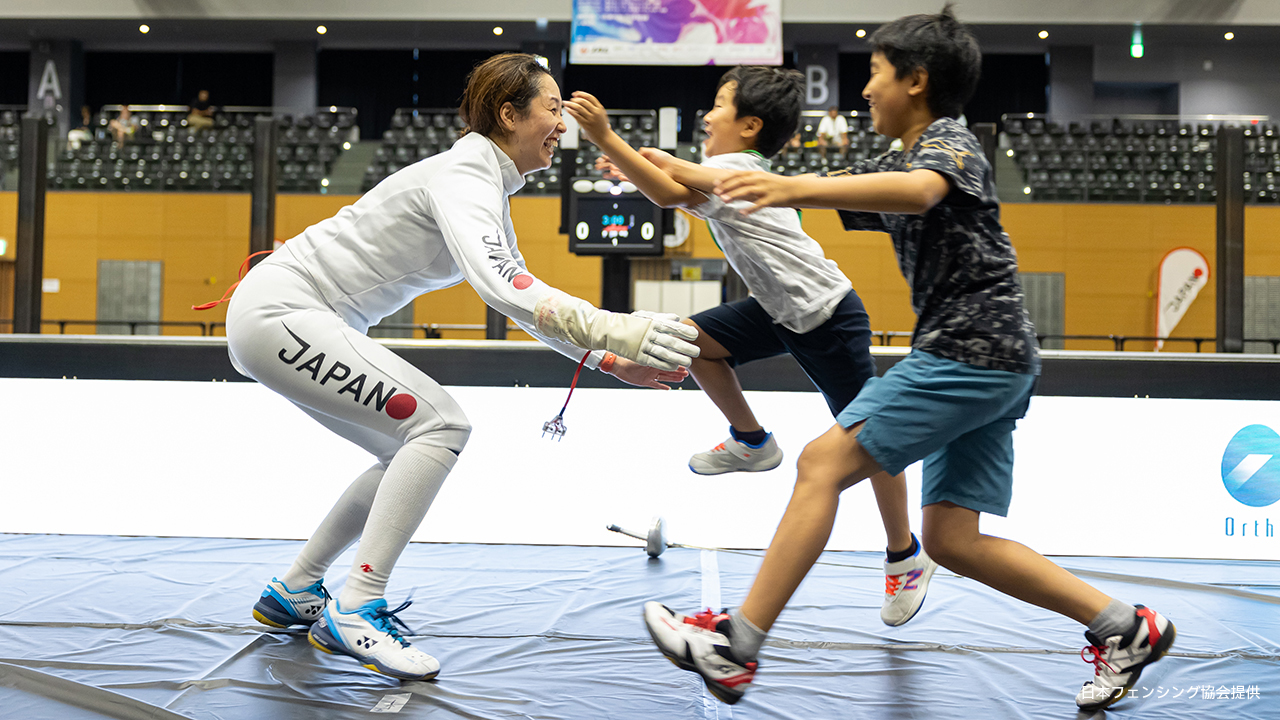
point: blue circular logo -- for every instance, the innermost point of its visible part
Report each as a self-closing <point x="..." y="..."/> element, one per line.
<point x="1251" y="466"/>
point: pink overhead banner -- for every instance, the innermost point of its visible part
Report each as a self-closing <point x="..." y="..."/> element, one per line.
<point x="677" y="32"/>
<point x="1183" y="274"/>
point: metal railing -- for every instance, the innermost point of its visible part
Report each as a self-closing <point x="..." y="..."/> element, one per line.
<point x="431" y="331"/>
<point x="209" y="329"/>
<point x="1121" y="340"/>
<point x="205" y="328"/>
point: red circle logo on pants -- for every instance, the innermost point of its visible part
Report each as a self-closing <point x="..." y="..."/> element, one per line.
<point x="520" y="282"/>
<point x="401" y="406"/>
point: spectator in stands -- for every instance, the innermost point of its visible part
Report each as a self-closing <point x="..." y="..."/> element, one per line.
<point x="833" y="130"/>
<point x="123" y="127"/>
<point x="81" y="134"/>
<point x="201" y="116"/>
<point x="794" y="143"/>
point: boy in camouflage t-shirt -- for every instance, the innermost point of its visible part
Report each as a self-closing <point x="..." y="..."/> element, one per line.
<point x="952" y="402"/>
<point x="957" y="258"/>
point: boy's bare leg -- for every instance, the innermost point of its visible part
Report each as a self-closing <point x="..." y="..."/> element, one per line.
<point x="891" y="497"/>
<point x="952" y="539"/>
<point x="830" y="464"/>
<point x="720" y="382"/>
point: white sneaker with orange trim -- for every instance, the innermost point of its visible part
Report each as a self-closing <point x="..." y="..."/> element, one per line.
<point x="734" y="456"/>
<point x="700" y="644"/>
<point x="905" y="583"/>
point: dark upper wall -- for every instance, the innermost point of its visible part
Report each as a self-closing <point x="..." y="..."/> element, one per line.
<point x="161" y="78"/>
<point x="14" y="77"/>
<point x="991" y="11"/>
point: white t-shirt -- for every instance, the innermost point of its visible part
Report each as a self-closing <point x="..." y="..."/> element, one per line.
<point x="426" y="227"/>
<point x="830" y="128"/>
<point x="785" y="269"/>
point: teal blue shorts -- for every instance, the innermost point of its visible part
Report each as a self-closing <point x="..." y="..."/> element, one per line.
<point x="958" y="418"/>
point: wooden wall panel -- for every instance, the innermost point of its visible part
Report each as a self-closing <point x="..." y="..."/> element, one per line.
<point x="1109" y="253"/>
<point x="6" y="296"/>
<point x="8" y="231"/>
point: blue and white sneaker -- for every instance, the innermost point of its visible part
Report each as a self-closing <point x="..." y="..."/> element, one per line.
<point x="733" y="456"/>
<point x="370" y="636"/>
<point x="281" y="607"/>
<point x="905" y="585"/>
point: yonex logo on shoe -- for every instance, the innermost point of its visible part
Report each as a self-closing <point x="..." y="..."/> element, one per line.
<point x="1251" y="466"/>
<point x="366" y="642"/>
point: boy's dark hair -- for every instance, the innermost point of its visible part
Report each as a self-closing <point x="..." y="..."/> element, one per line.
<point x="771" y="94"/>
<point x="944" y="47"/>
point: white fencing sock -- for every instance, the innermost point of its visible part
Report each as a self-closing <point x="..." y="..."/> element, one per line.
<point x="337" y="531"/>
<point x="410" y="484"/>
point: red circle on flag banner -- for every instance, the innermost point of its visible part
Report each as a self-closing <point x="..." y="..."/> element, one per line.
<point x="1198" y="272"/>
<point x="522" y="281"/>
<point x="401" y="406"/>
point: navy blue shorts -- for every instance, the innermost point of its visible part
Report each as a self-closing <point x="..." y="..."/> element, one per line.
<point x="836" y="355"/>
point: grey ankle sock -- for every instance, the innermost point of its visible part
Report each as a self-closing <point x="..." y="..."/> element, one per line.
<point x="745" y="638"/>
<point x="1115" y="619"/>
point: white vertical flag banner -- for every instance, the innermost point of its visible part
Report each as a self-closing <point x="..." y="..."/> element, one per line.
<point x="1183" y="274"/>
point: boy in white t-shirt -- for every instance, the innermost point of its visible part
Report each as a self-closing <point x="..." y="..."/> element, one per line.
<point x="801" y="303"/>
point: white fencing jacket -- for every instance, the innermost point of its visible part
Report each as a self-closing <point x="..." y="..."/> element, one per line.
<point x="429" y="226"/>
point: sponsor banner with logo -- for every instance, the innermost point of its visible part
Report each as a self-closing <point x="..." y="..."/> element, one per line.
<point x="676" y="32"/>
<point x="1183" y="274"/>
<point x="1093" y="476"/>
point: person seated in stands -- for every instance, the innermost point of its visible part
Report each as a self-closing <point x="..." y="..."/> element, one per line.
<point x="833" y="130"/>
<point x="123" y="127"/>
<point x="81" y="134"/>
<point x="201" y="116"/>
<point x="794" y="143"/>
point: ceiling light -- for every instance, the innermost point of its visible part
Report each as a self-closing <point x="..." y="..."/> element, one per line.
<point x="861" y="33"/>
<point x="497" y="30"/>
<point x="320" y="29"/>
<point x="1044" y="34"/>
<point x="1230" y="36"/>
<point x="144" y="29"/>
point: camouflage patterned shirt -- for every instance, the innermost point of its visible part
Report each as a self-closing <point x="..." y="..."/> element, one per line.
<point x="957" y="258"/>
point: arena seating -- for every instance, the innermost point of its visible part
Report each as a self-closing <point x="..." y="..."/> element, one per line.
<point x="1102" y="160"/>
<point x="1122" y="160"/>
<point x="165" y="154"/>
<point x="417" y="133"/>
<point x="9" y="136"/>
<point x="809" y="158"/>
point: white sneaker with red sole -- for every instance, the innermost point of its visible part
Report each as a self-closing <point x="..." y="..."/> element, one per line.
<point x="700" y="644"/>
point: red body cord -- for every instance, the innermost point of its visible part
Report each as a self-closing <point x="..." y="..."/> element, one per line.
<point x="244" y="268"/>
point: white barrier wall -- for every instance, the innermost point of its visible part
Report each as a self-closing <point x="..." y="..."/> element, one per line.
<point x="1094" y="476"/>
